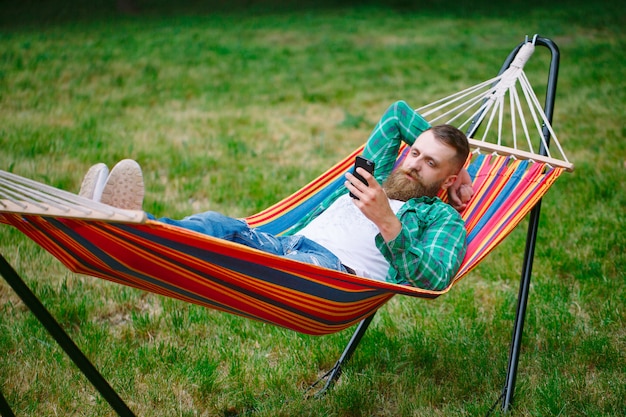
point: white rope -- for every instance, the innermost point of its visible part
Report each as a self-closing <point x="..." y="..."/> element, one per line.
<point x="490" y="122"/>
<point x="486" y="103"/>
<point x="457" y="112"/>
<point x="453" y="98"/>
<point x="500" y="119"/>
<point x="544" y="119"/>
<point x="517" y="113"/>
<point x="513" y="121"/>
<point x="22" y="195"/>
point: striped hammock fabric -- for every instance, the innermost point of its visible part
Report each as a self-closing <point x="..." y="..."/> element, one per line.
<point x="221" y="275"/>
<point x="199" y="269"/>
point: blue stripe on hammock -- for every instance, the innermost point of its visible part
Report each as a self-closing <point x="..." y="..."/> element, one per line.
<point x="502" y="196"/>
<point x="288" y="219"/>
<point x="262" y="272"/>
<point x="113" y="264"/>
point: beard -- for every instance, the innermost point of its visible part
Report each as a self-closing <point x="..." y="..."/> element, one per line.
<point x="399" y="187"/>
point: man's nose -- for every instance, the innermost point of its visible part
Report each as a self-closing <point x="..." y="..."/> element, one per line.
<point x="415" y="164"/>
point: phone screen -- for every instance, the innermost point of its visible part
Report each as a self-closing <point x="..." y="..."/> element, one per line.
<point x="365" y="164"/>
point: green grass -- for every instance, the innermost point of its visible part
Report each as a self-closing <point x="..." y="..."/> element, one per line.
<point x="233" y="107"/>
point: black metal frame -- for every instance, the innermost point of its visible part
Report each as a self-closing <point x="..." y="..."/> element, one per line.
<point x="531" y="238"/>
<point x="63" y="340"/>
<point x="111" y="396"/>
<point x="533" y="229"/>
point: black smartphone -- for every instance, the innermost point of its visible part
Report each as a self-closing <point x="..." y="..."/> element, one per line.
<point x="364" y="163"/>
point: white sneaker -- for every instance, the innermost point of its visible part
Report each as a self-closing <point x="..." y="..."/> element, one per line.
<point x="124" y="187"/>
<point x="93" y="182"/>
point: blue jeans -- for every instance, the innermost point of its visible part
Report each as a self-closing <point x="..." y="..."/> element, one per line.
<point x="295" y="247"/>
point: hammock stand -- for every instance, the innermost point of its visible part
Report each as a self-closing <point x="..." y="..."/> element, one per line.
<point x="506" y="396"/>
<point x="304" y="292"/>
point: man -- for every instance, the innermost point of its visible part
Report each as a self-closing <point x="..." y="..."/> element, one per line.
<point x="399" y="232"/>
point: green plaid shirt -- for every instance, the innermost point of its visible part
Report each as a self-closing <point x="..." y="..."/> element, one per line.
<point x="429" y="249"/>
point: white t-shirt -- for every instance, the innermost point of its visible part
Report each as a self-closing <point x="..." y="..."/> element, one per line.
<point x="346" y="232"/>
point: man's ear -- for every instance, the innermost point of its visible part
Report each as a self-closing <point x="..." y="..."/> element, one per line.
<point x="448" y="182"/>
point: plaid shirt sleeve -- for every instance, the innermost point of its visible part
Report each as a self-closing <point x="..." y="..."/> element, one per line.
<point x="430" y="247"/>
<point x="400" y="123"/>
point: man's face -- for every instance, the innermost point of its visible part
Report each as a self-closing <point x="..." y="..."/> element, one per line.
<point x="426" y="169"/>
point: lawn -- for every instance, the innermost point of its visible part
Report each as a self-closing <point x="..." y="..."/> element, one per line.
<point x="233" y="107"/>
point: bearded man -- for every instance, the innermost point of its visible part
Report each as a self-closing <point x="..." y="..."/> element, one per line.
<point x="399" y="232"/>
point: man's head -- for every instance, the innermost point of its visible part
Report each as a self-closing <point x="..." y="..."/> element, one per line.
<point x="432" y="164"/>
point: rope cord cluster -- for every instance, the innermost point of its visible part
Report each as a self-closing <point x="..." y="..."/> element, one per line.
<point x="487" y="102"/>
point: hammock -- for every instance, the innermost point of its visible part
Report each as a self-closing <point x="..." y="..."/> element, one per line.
<point x="94" y="239"/>
<point x="183" y="264"/>
<point x="509" y="178"/>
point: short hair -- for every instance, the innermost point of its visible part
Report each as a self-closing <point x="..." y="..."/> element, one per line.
<point x="453" y="137"/>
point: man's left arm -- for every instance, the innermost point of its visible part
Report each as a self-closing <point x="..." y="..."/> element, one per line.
<point x="426" y="253"/>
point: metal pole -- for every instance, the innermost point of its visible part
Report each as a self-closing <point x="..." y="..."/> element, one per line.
<point x="531" y="238"/>
<point x="5" y="410"/>
<point x="335" y="372"/>
<point x="61" y="337"/>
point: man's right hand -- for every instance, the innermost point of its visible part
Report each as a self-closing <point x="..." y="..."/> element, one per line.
<point x="374" y="204"/>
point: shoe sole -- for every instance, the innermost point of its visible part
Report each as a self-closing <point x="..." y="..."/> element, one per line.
<point x="94" y="181"/>
<point x="125" y="187"/>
